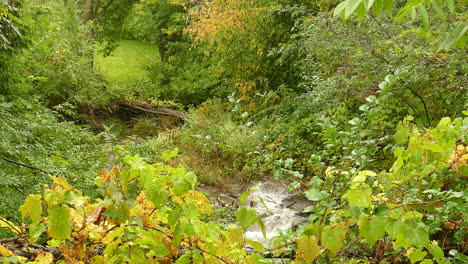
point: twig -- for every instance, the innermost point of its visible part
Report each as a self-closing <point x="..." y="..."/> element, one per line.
<point x="13" y="239"/>
<point x="23" y="165"/>
<point x="420" y="203"/>
<point x="12" y="227"/>
<point x="424" y="104"/>
<point x="345" y="249"/>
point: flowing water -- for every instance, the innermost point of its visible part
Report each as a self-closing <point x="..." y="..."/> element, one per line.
<point x="278" y="208"/>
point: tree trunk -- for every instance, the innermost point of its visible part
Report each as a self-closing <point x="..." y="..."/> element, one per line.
<point x="88" y="11"/>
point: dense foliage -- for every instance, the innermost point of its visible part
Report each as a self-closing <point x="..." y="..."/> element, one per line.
<point x="359" y="105"/>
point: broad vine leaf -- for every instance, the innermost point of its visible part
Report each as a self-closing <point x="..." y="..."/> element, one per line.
<point x="157" y="195"/>
<point x="246" y="217"/>
<point x="371" y="230"/>
<point x="307" y="249"/>
<point x="137" y="256"/>
<point x="35" y="230"/>
<point x="360" y="198"/>
<point x="181" y="185"/>
<point x="435" y="250"/>
<point x="256" y="245"/>
<point x="333" y="238"/>
<point x="415" y="255"/>
<point x="44" y="258"/>
<point x="315" y="194"/>
<point x="183" y="260"/>
<point x="59" y="222"/>
<point x="32" y="208"/>
<point x="403" y="132"/>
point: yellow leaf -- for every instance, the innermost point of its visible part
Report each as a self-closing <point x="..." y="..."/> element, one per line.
<point x="307" y="249"/>
<point x="44" y="258"/>
<point x="362" y="175"/>
<point x="5" y="251"/>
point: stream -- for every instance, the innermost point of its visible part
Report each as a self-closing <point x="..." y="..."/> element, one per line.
<point x="278" y="208"/>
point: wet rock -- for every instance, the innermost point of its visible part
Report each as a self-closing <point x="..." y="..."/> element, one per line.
<point x="296" y="202"/>
<point x="227" y="200"/>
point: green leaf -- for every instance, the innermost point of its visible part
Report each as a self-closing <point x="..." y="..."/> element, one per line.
<point x="183" y="260"/>
<point x="388" y="4"/>
<point x="381" y="210"/>
<point x="340" y="10"/>
<point x="246" y="217"/>
<point x="418" y="236"/>
<point x="407" y="8"/>
<point x="351" y="6"/>
<point x="377" y="8"/>
<point x="32" y="208"/>
<point x="59" y="222"/>
<point x="190" y="210"/>
<point x="361" y="198"/>
<point x="424" y="17"/>
<point x="435" y="250"/>
<point x="119" y="214"/>
<point x="137" y="256"/>
<point x="372" y="230"/>
<point x="361" y="12"/>
<point x="438" y="9"/>
<point x="157" y="195"/>
<point x="262" y="226"/>
<point x="35" y="231"/>
<point x="169" y="154"/>
<point x="160" y="250"/>
<point x="454" y="37"/>
<point x="451" y="5"/>
<point x="177" y="238"/>
<point x="174" y="216"/>
<point x="368" y="4"/>
<point x="403" y="133"/>
<point x="181" y="185"/>
<point x="315" y="194"/>
<point x="244" y="197"/>
<point x="256" y="245"/>
<point x="463" y="170"/>
<point x="402" y="13"/>
<point x="333" y="238"/>
<point x="417" y="255"/>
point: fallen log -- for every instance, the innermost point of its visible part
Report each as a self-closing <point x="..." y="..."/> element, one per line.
<point x="153" y="109"/>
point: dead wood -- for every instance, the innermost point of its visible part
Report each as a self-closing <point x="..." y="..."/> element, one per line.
<point x="153" y="109"/>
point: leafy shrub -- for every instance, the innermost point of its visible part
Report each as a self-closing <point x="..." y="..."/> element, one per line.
<point x="33" y="135"/>
<point x="57" y="64"/>
<point x="217" y="148"/>
<point x="163" y="218"/>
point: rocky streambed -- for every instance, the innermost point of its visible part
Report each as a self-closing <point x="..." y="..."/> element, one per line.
<point x="278" y="208"/>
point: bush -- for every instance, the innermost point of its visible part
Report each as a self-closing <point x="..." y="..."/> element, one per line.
<point x="33" y="135"/>
<point x="216" y="147"/>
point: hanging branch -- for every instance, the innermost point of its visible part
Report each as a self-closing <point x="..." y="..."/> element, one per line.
<point x="23" y="165"/>
<point x="424" y="104"/>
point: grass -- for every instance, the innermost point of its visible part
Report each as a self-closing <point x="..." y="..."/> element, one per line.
<point x="126" y="65"/>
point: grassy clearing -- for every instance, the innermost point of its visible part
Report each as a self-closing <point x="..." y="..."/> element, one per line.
<point x="126" y="65"/>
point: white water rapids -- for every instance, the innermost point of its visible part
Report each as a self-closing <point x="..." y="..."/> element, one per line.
<point x="270" y="201"/>
<point x="278" y="208"/>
